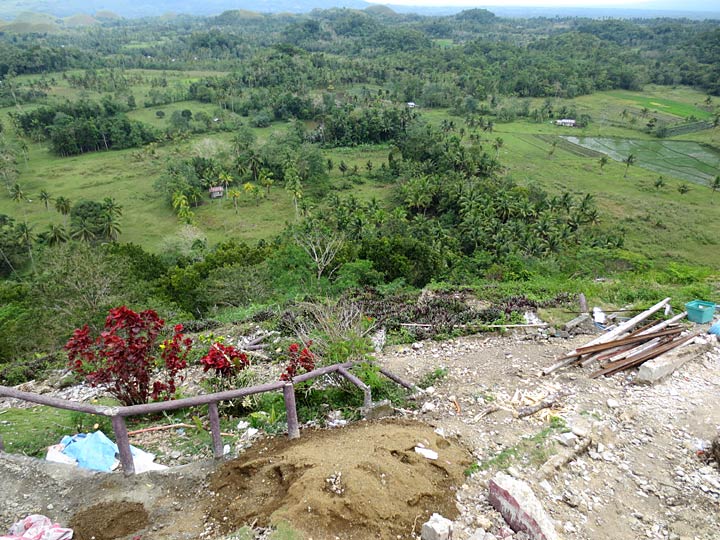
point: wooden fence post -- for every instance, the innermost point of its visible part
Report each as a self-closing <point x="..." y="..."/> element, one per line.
<point x="123" y="444"/>
<point x="291" y="410"/>
<point x="215" y="430"/>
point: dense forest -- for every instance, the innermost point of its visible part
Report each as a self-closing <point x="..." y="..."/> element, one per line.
<point x="285" y="106"/>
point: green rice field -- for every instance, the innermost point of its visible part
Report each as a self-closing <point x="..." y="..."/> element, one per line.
<point x="687" y="160"/>
<point x="657" y="103"/>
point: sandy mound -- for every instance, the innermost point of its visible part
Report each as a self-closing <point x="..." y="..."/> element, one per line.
<point x="107" y="521"/>
<point x="363" y="481"/>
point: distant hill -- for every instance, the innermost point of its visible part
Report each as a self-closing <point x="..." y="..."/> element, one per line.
<point x="381" y="10"/>
<point x="30" y="17"/>
<point x="128" y="8"/>
<point x="106" y="16"/>
<point x="80" y="20"/>
<point x="27" y="22"/>
<point x="132" y="8"/>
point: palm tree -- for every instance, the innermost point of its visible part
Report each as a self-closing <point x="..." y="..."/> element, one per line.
<point x="16" y="193"/>
<point x="26" y="239"/>
<point x="603" y="161"/>
<point x="45" y="198"/>
<point x="659" y="183"/>
<point x="83" y="232"/>
<point x="418" y="194"/>
<point x="565" y="202"/>
<point x="225" y="180"/>
<point x="715" y="184"/>
<point x="266" y="180"/>
<point x="293" y="185"/>
<point x="63" y="205"/>
<point x="110" y="226"/>
<point x="254" y="164"/>
<point x="253" y="191"/>
<point x="587" y="203"/>
<point x="112" y="207"/>
<point x="235" y="196"/>
<point x="179" y="200"/>
<point x="497" y="145"/>
<point x="683" y="188"/>
<point x="55" y="235"/>
<point x="552" y="148"/>
<point x="630" y="160"/>
<point x="241" y="168"/>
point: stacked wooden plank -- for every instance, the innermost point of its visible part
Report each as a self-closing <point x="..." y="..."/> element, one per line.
<point x="628" y="345"/>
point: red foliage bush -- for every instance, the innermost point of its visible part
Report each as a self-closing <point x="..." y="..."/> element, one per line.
<point x="298" y="359"/>
<point x="123" y="356"/>
<point x="226" y="360"/>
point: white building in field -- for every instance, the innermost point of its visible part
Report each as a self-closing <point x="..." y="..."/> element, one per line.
<point x="565" y="122"/>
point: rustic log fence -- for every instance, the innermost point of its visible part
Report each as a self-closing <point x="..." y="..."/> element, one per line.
<point x="120" y="413"/>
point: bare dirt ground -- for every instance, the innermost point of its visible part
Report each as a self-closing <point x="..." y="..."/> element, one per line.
<point x="643" y="475"/>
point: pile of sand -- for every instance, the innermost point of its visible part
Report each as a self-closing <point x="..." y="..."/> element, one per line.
<point x="359" y="482"/>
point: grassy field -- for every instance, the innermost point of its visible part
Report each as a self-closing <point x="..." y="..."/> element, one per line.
<point x="61" y="89"/>
<point x="667" y="104"/>
<point x="658" y="223"/>
<point x="657" y="102"/>
<point x="129" y="177"/>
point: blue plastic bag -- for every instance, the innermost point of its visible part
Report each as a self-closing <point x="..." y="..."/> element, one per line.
<point x="715" y="329"/>
<point x="92" y="451"/>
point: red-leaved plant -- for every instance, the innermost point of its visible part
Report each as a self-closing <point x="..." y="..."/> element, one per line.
<point x="226" y="360"/>
<point x="298" y="359"/>
<point x="124" y="356"/>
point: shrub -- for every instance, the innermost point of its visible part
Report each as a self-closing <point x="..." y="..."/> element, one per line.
<point x="125" y="356"/>
<point x="226" y="360"/>
<point x="298" y="359"/>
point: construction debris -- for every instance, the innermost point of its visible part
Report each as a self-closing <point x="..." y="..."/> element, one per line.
<point x="626" y="346"/>
<point x="658" y="368"/>
<point x="520" y="508"/>
<point x="544" y="404"/>
<point x="437" y="528"/>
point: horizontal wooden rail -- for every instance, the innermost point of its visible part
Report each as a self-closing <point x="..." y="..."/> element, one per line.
<point x="6" y="391"/>
<point x="195" y="401"/>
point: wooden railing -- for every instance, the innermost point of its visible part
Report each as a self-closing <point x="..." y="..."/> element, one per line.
<point x="120" y="413"/>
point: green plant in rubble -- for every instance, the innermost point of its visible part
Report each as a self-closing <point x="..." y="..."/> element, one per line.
<point x="487" y="397"/>
<point x="401" y="336"/>
<point x="342" y="350"/>
<point x="85" y="423"/>
<point x="534" y="450"/>
<point x="210" y="338"/>
<point x="380" y="386"/>
<point x="243" y="533"/>
<point x="270" y="415"/>
<point x="472" y="469"/>
<point x="432" y="377"/>
<point x="559" y="423"/>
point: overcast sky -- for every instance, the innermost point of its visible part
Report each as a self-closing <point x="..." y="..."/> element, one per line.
<point x="524" y="3"/>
